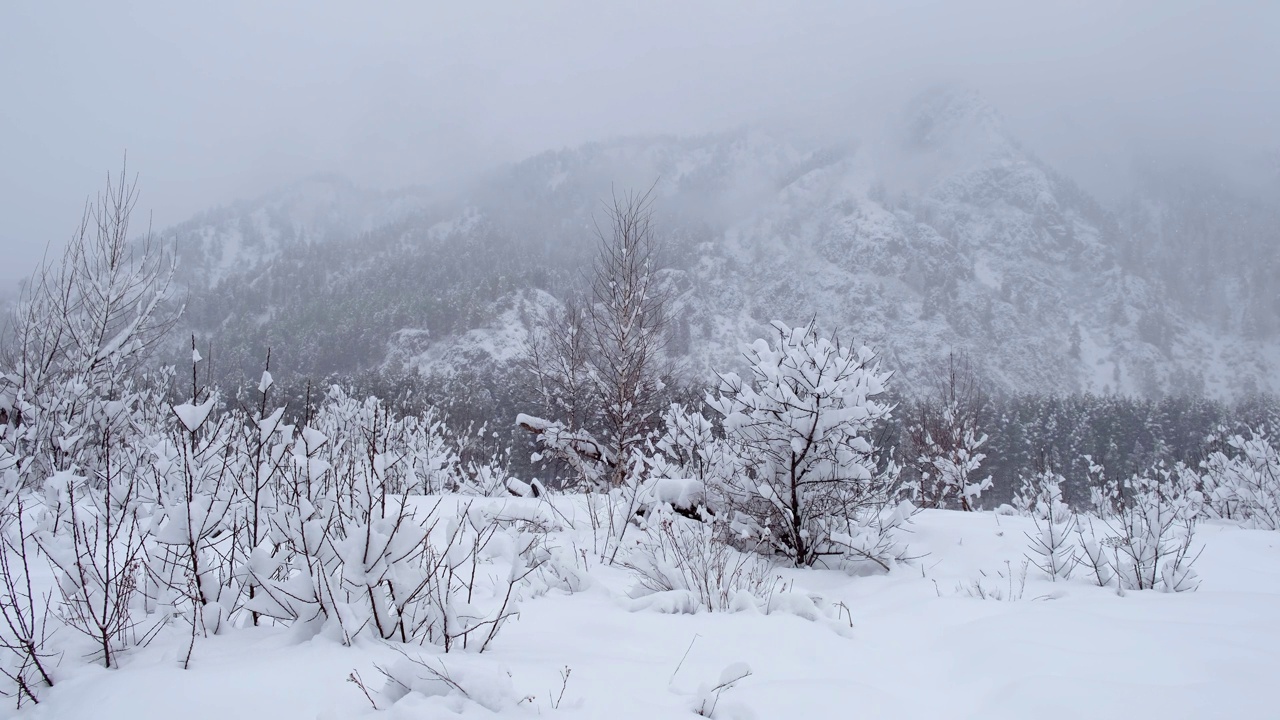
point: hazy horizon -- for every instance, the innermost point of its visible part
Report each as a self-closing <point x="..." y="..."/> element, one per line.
<point x="218" y="105"/>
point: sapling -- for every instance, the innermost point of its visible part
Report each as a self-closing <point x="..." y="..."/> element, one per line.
<point x="1051" y="548"/>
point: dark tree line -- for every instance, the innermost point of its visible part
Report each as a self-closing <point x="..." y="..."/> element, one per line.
<point x="1124" y="435"/>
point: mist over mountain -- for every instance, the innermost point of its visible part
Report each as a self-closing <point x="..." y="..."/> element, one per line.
<point x="941" y="234"/>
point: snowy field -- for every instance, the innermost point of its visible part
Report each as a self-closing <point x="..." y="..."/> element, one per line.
<point x="912" y="643"/>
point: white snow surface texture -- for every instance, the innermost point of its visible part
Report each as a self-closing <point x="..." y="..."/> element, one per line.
<point x="919" y="647"/>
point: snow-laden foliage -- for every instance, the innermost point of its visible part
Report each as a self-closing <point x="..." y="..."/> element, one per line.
<point x="950" y="461"/>
<point x="159" y="514"/>
<point x="690" y="447"/>
<point x="192" y="492"/>
<point x="1104" y="493"/>
<point x="407" y="453"/>
<point x="587" y="459"/>
<point x="1051" y="548"/>
<point x="1149" y="542"/>
<point x="800" y="427"/>
<point x="345" y="549"/>
<point x="1139" y="537"/>
<point x="945" y="440"/>
<point x="27" y="615"/>
<point x="1242" y="482"/>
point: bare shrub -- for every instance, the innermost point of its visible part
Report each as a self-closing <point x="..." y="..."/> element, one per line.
<point x="26" y="614"/>
<point x="1006" y="586"/>
<point x="457" y="682"/>
<point x="691" y="560"/>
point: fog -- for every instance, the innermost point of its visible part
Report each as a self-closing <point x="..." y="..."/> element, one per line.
<point x="227" y="101"/>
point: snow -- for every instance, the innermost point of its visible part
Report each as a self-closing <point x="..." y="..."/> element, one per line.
<point x="193" y="416"/>
<point x="985" y="274"/>
<point x="501" y="340"/>
<point x="535" y="424"/>
<point x="678" y="492"/>
<point x="919" y="647"/>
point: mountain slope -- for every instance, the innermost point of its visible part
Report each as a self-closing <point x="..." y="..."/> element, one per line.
<point x="944" y="234"/>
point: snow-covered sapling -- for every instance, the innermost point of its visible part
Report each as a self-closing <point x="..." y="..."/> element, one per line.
<point x="95" y="539"/>
<point x="195" y="468"/>
<point x="946" y="443"/>
<point x="949" y="463"/>
<point x="802" y="424"/>
<point x="1052" y="550"/>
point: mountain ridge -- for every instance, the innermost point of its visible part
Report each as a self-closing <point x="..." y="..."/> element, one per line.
<point x="947" y="236"/>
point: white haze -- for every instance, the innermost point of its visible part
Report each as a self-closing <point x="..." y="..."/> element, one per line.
<point x="215" y="102"/>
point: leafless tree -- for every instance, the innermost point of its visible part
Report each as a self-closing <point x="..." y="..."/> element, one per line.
<point x="557" y="359"/>
<point x="628" y="324"/>
<point x="101" y="307"/>
<point x="599" y="368"/>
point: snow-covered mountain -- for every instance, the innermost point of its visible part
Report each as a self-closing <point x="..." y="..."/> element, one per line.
<point x="944" y="233"/>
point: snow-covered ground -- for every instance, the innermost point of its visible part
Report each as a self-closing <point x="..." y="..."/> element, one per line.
<point x="913" y="644"/>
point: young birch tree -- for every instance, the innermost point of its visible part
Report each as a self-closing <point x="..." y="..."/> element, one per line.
<point x="600" y="371"/>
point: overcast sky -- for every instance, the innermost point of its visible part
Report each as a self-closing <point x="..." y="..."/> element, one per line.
<point x="219" y="101"/>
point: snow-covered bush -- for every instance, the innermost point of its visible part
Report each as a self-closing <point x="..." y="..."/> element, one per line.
<point x="26" y="612"/>
<point x="1149" y="544"/>
<point x="406" y="454"/>
<point x="945" y="442"/>
<point x="95" y="513"/>
<point x="1051" y="546"/>
<point x="689" y="447"/>
<point x="263" y="472"/>
<point x="76" y="412"/>
<point x="356" y="559"/>
<point x="693" y="568"/>
<point x="1030" y="494"/>
<point x="1245" y="484"/>
<point x="1093" y="553"/>
<point x="190" y="556"/>
<point x="949" y="461"/>
<point x="94" y="538"/>
<point x="83" y="328"/>
<point x="1104" y="494"/>
<point x="685" y="496"/>
<point x="589" y="460"/>
<point x="490" y="478"/>
<point x="1140" y="539"/>
<point x="809" y="488"/>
